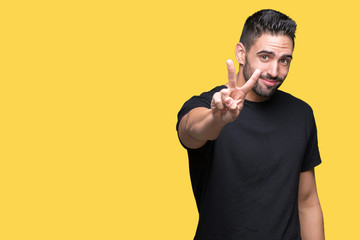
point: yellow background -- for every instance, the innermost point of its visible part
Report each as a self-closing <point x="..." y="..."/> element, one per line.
<point x="89" y="95"/>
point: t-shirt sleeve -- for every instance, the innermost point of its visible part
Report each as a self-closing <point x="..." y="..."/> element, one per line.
<point x="312" y="155"/>
<point x="203" y="100"/>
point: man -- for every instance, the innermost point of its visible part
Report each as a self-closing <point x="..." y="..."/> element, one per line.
<point x="253" y="148"/>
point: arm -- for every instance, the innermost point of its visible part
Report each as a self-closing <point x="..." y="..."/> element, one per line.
<point x="198" y="126"/>
<point x="310" y="213"/>
<point x="203" y="124"/>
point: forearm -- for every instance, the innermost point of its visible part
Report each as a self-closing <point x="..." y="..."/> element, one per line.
<point x="311" y="222"/>
<point x="201" y="124"/>
<point x="198" y="126"/>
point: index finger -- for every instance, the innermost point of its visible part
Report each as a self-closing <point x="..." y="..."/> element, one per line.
<point x="251" y="82"/>
<point x="231" y="73"/>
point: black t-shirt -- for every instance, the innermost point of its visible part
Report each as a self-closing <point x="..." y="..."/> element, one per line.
<point x="246" y="181"/>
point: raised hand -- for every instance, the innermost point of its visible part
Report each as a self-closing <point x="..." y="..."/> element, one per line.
<point x="227" y="104"/>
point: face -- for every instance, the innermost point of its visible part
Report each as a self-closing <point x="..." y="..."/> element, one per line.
<point x="272" y="55"/>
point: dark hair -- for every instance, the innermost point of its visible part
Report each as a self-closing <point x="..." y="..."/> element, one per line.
<point x="267" y="21"/>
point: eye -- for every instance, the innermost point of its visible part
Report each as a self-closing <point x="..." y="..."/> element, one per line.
<point x="264" y="57"/>
<point x="285" y="61"/>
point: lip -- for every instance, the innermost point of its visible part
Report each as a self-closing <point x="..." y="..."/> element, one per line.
<point x="269" y="82"/>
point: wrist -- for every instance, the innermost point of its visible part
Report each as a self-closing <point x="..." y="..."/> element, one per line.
<point x="217" y="119"/>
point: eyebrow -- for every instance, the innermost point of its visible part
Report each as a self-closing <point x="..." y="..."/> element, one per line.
<point x="273" y="54"/>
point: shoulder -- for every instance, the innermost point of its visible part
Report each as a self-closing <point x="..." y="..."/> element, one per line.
<point x="297" y="112"/>
<point x="202" y="100"/>
<point x="291" y="101"/>
<point x="204" y="97"/>
<point x="212" y="91"/>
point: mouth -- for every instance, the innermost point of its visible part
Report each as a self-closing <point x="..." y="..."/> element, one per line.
<point x="269" y="82"/>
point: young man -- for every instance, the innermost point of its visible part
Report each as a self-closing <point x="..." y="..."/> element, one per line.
<point x="253" y="148"/>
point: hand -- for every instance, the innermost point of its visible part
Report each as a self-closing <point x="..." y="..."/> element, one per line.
<point x="227" y="104"/>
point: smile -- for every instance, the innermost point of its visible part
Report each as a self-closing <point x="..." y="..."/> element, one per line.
<point x="269" y="82"/>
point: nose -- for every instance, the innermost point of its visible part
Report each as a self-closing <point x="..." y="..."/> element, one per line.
<point x="273" y="70"/>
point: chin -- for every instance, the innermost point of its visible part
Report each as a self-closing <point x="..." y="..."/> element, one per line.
<point x="264" y="91"/>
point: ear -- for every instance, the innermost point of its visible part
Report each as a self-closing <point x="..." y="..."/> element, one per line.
<point x="240" y="53"/>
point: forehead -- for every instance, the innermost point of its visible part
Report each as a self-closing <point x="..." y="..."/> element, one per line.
<point x="279" y="44"/>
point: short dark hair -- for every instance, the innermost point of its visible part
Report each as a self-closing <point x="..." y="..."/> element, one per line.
<point x="267" y="21"/>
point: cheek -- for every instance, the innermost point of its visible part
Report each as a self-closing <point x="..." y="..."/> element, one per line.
<point x="284" y="71"/>
<point x="260" y="65"/>
<point x="283" y="75"/>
